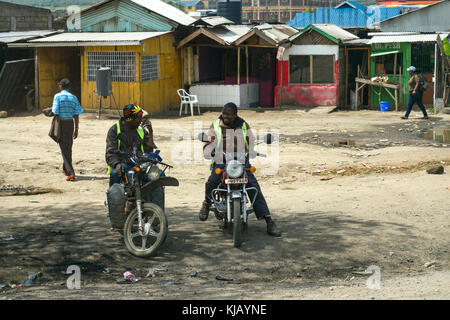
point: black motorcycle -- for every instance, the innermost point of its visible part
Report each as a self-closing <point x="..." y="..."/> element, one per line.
<point x="231" y="201"/>
<point x="136" y="206"/>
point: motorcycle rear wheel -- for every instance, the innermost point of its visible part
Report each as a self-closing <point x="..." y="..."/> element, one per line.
<point x="237" y="225"/>
<point x="156" y="229"/>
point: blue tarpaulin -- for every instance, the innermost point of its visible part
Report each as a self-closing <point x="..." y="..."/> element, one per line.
<point x="347" y="16"/>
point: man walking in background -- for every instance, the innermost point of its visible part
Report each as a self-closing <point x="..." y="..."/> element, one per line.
<point x="416" y="87"/>
<point x="68" y="109"/>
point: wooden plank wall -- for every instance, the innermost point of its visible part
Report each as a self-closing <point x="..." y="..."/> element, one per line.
<point x="123" y="92"/>
<point x="55" y="64"/>
<point x="160" y="95"/>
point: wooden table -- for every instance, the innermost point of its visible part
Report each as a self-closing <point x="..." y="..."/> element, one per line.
<point x="360" y="83"/>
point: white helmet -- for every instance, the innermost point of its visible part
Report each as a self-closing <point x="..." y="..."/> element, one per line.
<point x="413" y="69"/>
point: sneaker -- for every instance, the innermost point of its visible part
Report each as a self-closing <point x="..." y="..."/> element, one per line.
<point x="70" y="177"/>
<point x="204" y="211"/>
<point x="425" y="118"/>
<point x="403" y="117"/>
<point x="273" y="230"/>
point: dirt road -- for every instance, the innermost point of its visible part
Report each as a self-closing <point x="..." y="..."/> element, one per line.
<point x="341" y="208"/>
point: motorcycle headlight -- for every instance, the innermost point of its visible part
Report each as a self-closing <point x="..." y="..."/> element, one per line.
<point x="234" y="169"/>
<point x="153" y="173"/>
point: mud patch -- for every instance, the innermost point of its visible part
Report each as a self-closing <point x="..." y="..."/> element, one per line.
<point x="370" y="169"/>
<point x="10" y="190"/>
<point x="402" y="134"/>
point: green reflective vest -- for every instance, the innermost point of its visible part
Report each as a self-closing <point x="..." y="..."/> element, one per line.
<point x="218" y="132"/>
<point x="141" y="135"/>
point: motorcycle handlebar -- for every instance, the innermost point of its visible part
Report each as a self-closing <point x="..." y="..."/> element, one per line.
<point x="129" y="155"/>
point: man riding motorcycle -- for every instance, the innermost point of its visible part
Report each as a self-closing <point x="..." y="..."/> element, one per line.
<point x="229" y="120"/>
<point x="124" y="136"/>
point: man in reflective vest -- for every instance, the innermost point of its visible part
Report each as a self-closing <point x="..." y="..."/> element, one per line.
<point x="123" y="136"/>
<point x="231" y="122"/>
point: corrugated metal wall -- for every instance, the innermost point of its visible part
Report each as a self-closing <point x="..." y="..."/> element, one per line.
<point x="429" y="19"/>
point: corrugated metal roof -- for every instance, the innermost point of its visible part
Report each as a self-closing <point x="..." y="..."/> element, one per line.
<point x="357" y="42"/>
<point x="188" y="2"/>
<point x="277" y="32"/>
<point x="214" y="21"/>
<point x="335" y="31"/>
<point x="14" y="36"/>
<point x="332" y="31"/>
<point x="431" y="18"/>
<point x="273" y="34"/>
<point x="416" y="12"/>
<point x="159" y="7"/>
<point x="231" y="33"/>
<point x="166" y="10"/>
<point x="406" y="38"/>
<point x="91" y="39"/>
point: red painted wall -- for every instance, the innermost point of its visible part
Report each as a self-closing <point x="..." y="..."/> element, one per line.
<point x="305" y="95"/>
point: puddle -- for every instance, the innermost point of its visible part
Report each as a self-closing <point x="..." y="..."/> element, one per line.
<point x="440" y="134"/>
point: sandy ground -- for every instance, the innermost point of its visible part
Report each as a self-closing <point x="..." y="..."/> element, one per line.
<point x="335" y="225"/>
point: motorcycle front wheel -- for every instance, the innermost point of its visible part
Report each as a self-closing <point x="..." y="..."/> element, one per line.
<point x="237" y="223"/>
<point x="147" y="242"/>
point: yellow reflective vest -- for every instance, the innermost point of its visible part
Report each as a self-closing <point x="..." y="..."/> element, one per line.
<point x="141" y="135"/>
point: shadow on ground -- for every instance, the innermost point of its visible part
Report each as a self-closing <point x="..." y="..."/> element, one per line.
<point x="48" y="239"/>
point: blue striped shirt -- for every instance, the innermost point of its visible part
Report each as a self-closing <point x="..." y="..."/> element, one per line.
<point x="66" y="105"/>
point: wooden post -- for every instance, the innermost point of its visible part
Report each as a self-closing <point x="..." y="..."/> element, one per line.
<point x="37" y="103"/>
<point x="396" y="97"/>
<point x="400" y="89"/>
<point x="346" y="76"/>
<point x="190" y="58"/>
<point x="395" y="65"/>
<point x="356" y="95"/>
<point x="239" y="66"/>
<point x="280" y="89"/>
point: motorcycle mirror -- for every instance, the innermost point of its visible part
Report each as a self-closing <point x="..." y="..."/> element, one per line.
<point x="268" y="138"/>
<point x="203" y="137"/>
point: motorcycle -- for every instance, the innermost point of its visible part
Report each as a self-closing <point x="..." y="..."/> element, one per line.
<point x="231" y="202"/>
<point x="136" y="206"/>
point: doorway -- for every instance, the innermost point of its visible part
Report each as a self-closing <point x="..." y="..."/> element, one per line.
<point x="357" y="60"/>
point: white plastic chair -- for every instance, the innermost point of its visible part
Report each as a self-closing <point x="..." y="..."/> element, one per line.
<point x="188" y="99"/>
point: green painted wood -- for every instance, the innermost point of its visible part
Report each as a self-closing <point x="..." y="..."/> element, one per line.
<point x="375" y="94"/>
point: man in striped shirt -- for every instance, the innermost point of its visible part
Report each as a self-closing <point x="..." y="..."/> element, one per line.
<point x="68" y="109"/>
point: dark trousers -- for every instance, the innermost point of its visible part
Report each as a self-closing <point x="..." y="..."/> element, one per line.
<point x="260" y="205"/>
<point x="416" y="98"/>
<point x="65" y="144"/>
